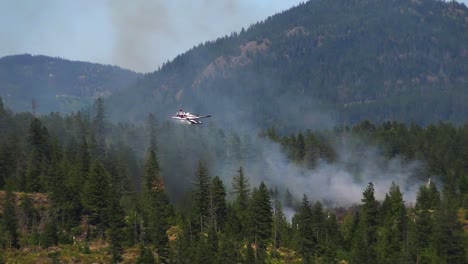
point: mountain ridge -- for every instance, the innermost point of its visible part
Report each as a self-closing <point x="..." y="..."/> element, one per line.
<point x="54" y="84"/>
<point x="372" y="59"/>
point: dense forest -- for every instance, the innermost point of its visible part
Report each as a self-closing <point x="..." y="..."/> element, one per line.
<point x="356" y="60"/>
<point x="338" y="134"/>
<point x="79" y="188"/>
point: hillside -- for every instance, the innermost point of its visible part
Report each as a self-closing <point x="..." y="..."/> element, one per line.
<point x="338" y="60"/>
<point x="56" y="84"/>
<point x="77" y="189"/>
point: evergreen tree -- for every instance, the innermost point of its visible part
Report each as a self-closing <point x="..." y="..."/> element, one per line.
<point x="38" y="138"/>
<point x="201" y="198"/>
<point x="84" y="159"/>
<point x="392" y="235"/>
<point x="260" y="220"/>
<point x="146" y="256"/>
<point x="96" y="196"/>
<point x="156" y="207"/>
<point x="28" y="212"/>
<point x="299" y="148"/>
<point x="9" y="220"/>
<point x="311" y="151"/>
<point x="427" y="201"/>
<point x="318" y="226"/>
<point x="34" y="169"/>
<point x="116" y="225"/>
<point x="151" y="126"/>
<point x="49" y="236"/>
<point x="333" y="240"/>
<point x="217" y="203"/>
<point x="448" y="234"/>
<point x="366" y="237"/>
<point x="99" y="131"/>
<point x="261" y="216"/>
<point x="203" y="253"/>
<point x="281" y="229"/>
<point x="228" y="250"/>
<point x="304" y="237"/>
<point x="232" y="226"/>
<point x="241" y="190"/>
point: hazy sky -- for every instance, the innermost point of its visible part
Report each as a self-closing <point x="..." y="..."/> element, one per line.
<point x="139" y="35"/>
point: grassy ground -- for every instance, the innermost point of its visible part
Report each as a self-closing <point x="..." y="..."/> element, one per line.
<point x="97" y="253"/>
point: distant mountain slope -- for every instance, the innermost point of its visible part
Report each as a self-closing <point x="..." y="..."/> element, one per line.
<point x="56" y="84"/>
<point x="355" y="59"/>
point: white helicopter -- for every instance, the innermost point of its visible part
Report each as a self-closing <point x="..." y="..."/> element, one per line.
<point x="188" y="117"/>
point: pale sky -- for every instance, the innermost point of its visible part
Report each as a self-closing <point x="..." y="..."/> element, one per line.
<point x="139" y="35"/>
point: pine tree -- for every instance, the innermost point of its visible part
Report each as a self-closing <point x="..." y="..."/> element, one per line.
<point x="280" y="225"/>
<point x="228" y="250"/>
<point x="9" y="220"/>
<point x="318" y="226"/>
<point x="393" y="231"/>
<point x="217" y="203"/>
<point x="260" y="219"/>
<point x="38" y="156"/>
<point x="116" y="225"/>
<point x="146" y="256"/>
<point x="299" y="148"/>
<point x="151" y="126"/>
<point x="241" y="190"/>
<point x="201" y="199"/>
<point x="99" y="131"/>
<point x="84" y="159"/>
<point x="448" y="233"/>
<point x="311" y="151"/>
<point x="157" y="210"/>
<point x="49" y="236"/>
<point x="34" y="170"/>
<point x="427" y="201"/>
<point x="333" y="240"/>
<point x="96" y="196"/>
<point x="305" y="238"/>
<point x="38" y="138"/>
<point x="28" y="212"/>
<point x="366" y="237"/>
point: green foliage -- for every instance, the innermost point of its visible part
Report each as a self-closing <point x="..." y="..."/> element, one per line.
<point x="365" y="240"/>
<point x="241" y="190"/>
<point x="260" y="218"/>
<point x="49" y="236"/>
<point x="9" y="222"/>
<point x="84" y="199"/>
<point x="374" y="60"/>
<point x="201" y="199"/>
<point x="157" y="211"/>
<point x="116" y="226"/>
<point x="146" y="256"/>
<point x="96" y="196"/>
<point x="305" y="238"/>
<point x="448" y="236"/>
<point x="392" y="235"/>
<point x="218" y="208"/>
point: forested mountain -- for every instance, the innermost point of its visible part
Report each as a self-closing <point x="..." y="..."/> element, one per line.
<point x="262" y="181"/>
<point x="57" y="85"/>
<point x="352" y="59"/>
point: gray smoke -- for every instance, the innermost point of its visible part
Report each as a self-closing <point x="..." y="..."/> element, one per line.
<point x="335" y="184"/>
<point x="149" y="33"/>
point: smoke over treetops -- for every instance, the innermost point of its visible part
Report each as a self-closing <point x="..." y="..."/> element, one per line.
<point x="337" y="182"/>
